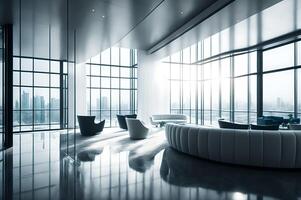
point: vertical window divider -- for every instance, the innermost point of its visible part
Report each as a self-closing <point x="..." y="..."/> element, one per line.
<point x="259" y="83"/>
<point x="248" y="88"/>
<point x="100" y="90"/>
<point x="32" y="90"/>
<point x="50" y="68"/>
<point x="296" y="88"/>
<point x="61" y="95"/>
<point x="232" y="92"/>
<point x="110" y="87"/>
<point x="196" y="82"/>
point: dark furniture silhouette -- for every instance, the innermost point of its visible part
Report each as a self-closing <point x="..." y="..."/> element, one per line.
<point x="122" y="122"/>
<point x="270" y="120"/>
<point x="230" y="125"/>
<point x="265" y="127"/>
<point x="88" y="127"/>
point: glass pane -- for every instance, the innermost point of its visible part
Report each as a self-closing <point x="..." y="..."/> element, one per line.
<point x="105" y="57"/>
<point x="279" y="57"/>
<point x="95" y="82"/>
<point x="253" y="62"/>
<point x="115" y="82"/>
<point x="115" y="100"/>
<point x="193" y="53"/>
<point x="55" y="80"/>
<point x="225" y="92"/>
<point x="241" y="94"/>
<point x="207" y="47"/>
<point x="16" y="64"/>
<point x="26" y="78"/>
<point x="105" y="71"/>
<point x="16" y="78"/>
<point x="186" y="72"/>
<point x="105" y="115"/>
<point x="215" y="44"/>
<point x="225" y="68"/>
<point x="215" y="70"/>
<point x="41" y="65"/>
<point x="105" y="82"/>
<point x="186" y="95"/>
<point x="26" y="64"/>
<point x="215" y="94"/>
<point x="115" y="71"/>
<point x="26" y="98"/>
<point x="55" y="99"/>
<point x="26" y="118"/>
<point x="125" y="57"/>
<point x="55" y="116"/>
<point x="175" y="71"/>
<point x="175" y="95"/>
<point x="41" y="98"/>
<point x="207" y="95"/>
<point x="96" y="114"/>
<point x="41" y="117"/>
<point x="253" y="94"/>
<point x="95" y="101"/>
<point x="16" y="116"/>
<point x="16" y="98"/>
<point x="41" y="79"/>
<point x="115" y="56"/>
<point x="207" y="71"/>
<point x="125" y="72"/>
<point x="95" y="70"/>
<point x="125" y="83"/>
<point x="186" y="55"/>
<point x="65" y="66"/>
<point x="241" y="65"/>
<point x="241" y="99"/>
<point x="55" y="66"/>
<point x="278" y="92"/>
<point x="105" y="99"/>
<point x="125" y="100"/>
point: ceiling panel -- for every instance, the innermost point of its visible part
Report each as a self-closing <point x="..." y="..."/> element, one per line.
<point x="100" y="24"/>
<point x="166" y="19"/>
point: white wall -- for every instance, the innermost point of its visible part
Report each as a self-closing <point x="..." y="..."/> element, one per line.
<point x="153" y="86"/>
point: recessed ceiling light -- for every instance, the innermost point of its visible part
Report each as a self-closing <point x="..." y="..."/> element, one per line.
<point x="103" y="16"/>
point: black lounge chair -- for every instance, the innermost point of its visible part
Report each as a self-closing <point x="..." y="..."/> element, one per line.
<point x="88" y="127"/>
<point x="122" y="122"/>
<point x="230" y="125"/>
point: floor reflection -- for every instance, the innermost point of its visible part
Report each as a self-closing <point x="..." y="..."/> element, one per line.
<point x="114" y="167"/>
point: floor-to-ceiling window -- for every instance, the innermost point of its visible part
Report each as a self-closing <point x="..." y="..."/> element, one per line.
<point x="279" y="80"/>
<point x="245" y="87"/>
<point x="38" y="87"/>
<point x="223" y="86"/>
<point x="228" y="85"/>
<point x="183" y="81"/>
<point x="112" y="84"/>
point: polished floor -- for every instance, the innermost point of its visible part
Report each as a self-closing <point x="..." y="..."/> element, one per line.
<point x="53" y="165"/>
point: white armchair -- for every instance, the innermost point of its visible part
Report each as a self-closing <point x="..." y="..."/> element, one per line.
<point x="136" y="129"/>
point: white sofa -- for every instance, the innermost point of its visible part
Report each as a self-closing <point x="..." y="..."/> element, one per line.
<point x="275" y="149"/>
<point x="168" y="118"/>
